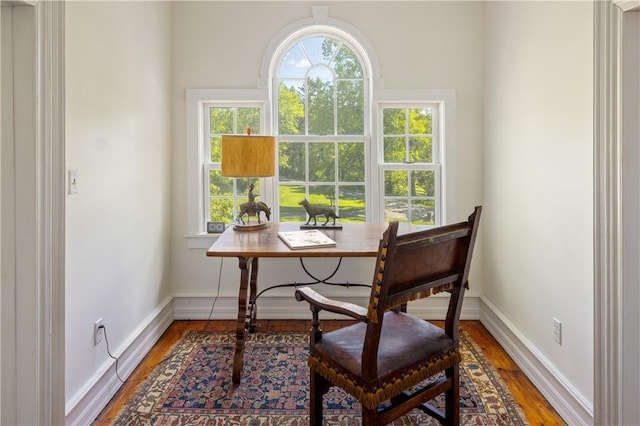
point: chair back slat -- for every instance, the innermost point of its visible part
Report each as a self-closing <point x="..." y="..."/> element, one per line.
<point x="415" y="265"/>
<point x="416" y="260"/>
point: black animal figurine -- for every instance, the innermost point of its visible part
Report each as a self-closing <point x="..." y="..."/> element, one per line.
<point x="314" y="211"/>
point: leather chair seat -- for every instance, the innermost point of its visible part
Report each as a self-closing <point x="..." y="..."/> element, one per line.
<point x="410" y="350"/>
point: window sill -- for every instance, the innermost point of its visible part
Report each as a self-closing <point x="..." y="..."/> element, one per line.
<point x="200" y="241"/>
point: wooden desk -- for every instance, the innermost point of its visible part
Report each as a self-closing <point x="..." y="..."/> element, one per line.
<point x="353" y="240"/>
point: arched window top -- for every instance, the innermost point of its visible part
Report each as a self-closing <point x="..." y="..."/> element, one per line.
<point x="321" y="88"/>
<point x="312" y="31"/>
<point x="323" y="57"/>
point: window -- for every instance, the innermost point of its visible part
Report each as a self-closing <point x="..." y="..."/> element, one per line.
<point x="410" y="163"/>
<point x="225" y="194"/>
<point x="211" y="113"/>
<point x="321" y="100"/>
<point x="343" y="141"/>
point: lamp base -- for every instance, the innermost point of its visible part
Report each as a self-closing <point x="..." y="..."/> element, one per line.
<point x="248" y="227"/>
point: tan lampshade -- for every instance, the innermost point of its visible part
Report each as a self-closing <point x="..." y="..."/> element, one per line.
<point x="248" y="156"/>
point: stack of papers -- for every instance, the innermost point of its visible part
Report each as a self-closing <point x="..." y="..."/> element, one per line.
<point x="311" y="238"/>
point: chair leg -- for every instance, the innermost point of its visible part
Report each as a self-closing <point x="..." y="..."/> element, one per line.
<point x="318" y="386"/>
<point x="452" y="397"/>
<point x="369" y="417"/>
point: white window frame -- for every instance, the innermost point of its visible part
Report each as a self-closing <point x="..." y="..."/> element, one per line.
<point x="208" y="166"/>
<point x="197" y="199"/>
<point x="196" y="98"/>
<point x="445" y="150"/>
<point x="355" y="45"/>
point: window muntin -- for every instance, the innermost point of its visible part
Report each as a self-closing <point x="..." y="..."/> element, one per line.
<point x="410" y="163"/>
<point x="224" y="194"/>
<point x="320" y="122"/>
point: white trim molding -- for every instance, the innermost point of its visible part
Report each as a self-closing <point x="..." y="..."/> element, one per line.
<point x="609" y="286"/>
<point x="50" y="312"/>
<point x="572" y="406"/>
<point x="627" y="5"/>
<point x="84" y="407"/>
<point x="35" y="368"/>
<point x="226" y="308"/>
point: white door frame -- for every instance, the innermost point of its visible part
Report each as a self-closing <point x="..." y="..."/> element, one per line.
<point x="613" y="329"/>
<point x="33" y="202"/>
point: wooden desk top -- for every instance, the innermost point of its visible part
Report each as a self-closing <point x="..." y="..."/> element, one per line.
<point x="353" y="240"/>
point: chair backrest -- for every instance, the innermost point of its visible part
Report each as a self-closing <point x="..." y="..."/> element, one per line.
<point x="418" y="264"/>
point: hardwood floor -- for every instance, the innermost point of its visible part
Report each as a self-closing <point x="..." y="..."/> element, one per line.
<point x="536" y="408"/>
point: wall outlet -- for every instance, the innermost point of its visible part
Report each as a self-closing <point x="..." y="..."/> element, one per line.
<point x="557" y="331"/>
<point x="98" y="332"/>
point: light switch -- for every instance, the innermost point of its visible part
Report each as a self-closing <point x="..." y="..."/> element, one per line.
<point x="73" y="181"/>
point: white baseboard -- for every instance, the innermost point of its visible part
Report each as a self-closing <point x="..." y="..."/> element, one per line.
<point x="87" y="404"/>
<point x="198" y="308"/>
<point x="563" y="397"/>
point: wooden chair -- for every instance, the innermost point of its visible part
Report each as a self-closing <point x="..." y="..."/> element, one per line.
<point x="387" y="351"/>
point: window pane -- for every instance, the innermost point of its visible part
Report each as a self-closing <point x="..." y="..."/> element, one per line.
<point x="218" y="185"/>
<point x="221" y="120"/>
<point x="423" y="212"/>
<point x="394" y="121"/>
<point x="291" y="108"/>
<point x="320" y="103"/>
<point x="291" y="161"/>
<point x="350" y="107"/>
<point x="396" y="183"/>
<point x="322" y="167"/>
<point x="347" y="64"/>
<point x="242" y="188"/>
<point x="320" y="50"/>
<point x="221" y="209"/>
<point x="322" y="195"/>
<point x="351" y="162"/>
<point x="420" y="150"/>
<point x="230" y="120"/>
<point x="396" y="210"/>
<point x="394" y="150"/>
<point x="420" y="121"/>
<point x="215" y="153"/>
<point x="248" y="118"/>
<point x="290" y="209"/>
<point x="423" y="183"/>
<point x="352" y="206"/>
<point x="295" y="63"/>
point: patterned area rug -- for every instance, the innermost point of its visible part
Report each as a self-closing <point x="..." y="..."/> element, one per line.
<point x="193" y="387"/>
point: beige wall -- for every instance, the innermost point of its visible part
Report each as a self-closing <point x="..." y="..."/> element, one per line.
<point x="538" y="181"/>
<point x="118" y="138"/>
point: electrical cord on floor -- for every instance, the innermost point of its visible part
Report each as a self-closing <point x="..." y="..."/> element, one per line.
<point x="167" y="358"/>
<point x="109" y="352"/>
<point x="215" y="299"/>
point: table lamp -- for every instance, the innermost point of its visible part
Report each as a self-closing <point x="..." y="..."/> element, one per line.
<point x="250" y="157"/>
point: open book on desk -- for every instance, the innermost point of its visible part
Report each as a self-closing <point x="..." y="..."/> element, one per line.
<point x="311" y="238"/>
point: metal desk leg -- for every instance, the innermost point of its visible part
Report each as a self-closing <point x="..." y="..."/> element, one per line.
<point x="248" y="269"/>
